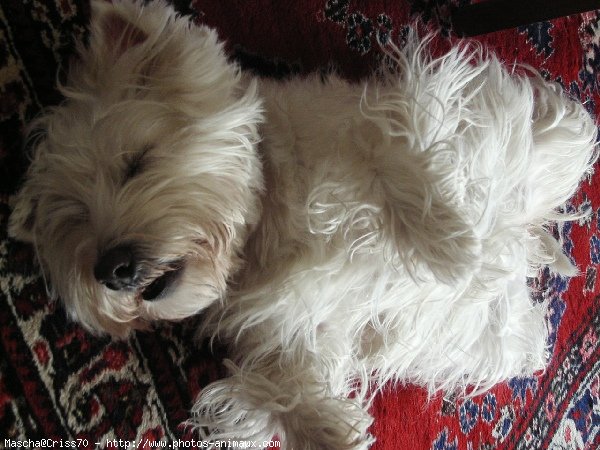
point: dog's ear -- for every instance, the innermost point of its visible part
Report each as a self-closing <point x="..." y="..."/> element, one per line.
<point x="23" y="216"/>
<point x="114" y="29"/>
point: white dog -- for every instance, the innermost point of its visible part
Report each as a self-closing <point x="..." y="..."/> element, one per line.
<point x="337" y="236"/>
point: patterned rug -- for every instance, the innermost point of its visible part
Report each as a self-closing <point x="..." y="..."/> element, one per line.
<point x="58" y="382"/>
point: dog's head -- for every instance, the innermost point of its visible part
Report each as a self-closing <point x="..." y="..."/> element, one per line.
<point x="144" y="183"/>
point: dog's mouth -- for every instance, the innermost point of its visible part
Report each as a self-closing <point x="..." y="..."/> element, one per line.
<point x="161" y="285"/>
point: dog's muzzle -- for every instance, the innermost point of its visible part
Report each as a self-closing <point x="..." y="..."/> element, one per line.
<point x="120" y="270"/>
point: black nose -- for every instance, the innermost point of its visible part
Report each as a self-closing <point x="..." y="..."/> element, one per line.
<point x="116" y="268"/>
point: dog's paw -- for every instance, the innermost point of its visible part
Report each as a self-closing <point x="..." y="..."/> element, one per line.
<point x="327" y="424"/>
<point x="250" y="407"/>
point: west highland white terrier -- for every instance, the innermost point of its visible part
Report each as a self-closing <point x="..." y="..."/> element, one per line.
<point x="337" y="236"/>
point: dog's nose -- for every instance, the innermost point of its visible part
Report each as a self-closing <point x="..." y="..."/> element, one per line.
<point x="116" y="268"/>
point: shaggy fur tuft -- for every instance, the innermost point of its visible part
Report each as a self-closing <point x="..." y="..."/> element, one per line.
<point x="337" y="236"/>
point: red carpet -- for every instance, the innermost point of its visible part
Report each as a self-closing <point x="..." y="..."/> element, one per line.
<point x="60" y="383"/>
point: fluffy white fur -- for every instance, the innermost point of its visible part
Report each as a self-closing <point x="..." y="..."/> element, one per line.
<point x="337" y="236"/>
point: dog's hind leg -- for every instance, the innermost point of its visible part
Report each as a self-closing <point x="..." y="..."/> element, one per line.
<point x="413" y="201"/>
<point x="422" y="155"/>
<point x="422" y="220"/>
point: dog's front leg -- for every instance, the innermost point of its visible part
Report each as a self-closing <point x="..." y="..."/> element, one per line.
<point x="268" y="401"/>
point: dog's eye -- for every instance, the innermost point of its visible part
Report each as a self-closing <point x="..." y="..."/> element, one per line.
<point x="135" y="163"/>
